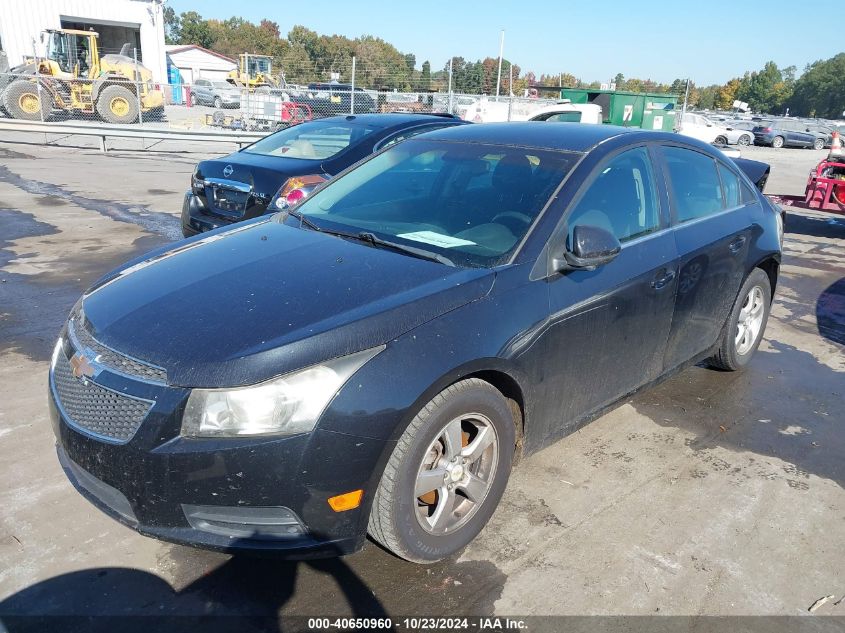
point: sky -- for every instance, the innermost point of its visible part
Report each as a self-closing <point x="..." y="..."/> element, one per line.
<point x="708" y="42"/>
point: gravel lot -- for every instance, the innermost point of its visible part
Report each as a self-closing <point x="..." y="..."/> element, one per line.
<point x="712" y="494"/>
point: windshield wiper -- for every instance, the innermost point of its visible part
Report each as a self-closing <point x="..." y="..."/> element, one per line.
<point x="366" y="236"/>
<point x="373" y="240"/>
<point x="304" y="220"/>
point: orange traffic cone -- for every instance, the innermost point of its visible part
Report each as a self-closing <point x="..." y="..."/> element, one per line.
<point x="835" y="146"/>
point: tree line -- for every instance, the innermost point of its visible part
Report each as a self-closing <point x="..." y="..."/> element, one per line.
<point x="304" y="56"/>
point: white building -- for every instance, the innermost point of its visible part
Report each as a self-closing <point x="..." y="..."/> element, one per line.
<point x="195" y="62"/>
<point x="138" y="22"/>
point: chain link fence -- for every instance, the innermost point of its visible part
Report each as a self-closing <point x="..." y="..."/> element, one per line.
<point x="268" y="104"/>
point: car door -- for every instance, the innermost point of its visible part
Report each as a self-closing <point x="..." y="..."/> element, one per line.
<point x="607" y="327"/>
<point x="712" y="230"/>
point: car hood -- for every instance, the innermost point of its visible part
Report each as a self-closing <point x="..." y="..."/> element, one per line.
<point x="264" y="174"/>
<point x="246" y="304"/>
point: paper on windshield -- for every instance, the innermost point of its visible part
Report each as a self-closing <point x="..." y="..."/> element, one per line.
<point x="436" y="239"/>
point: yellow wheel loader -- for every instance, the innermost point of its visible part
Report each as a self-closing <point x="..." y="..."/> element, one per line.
<point x="254" y="71"/>
<point x="72" y="77"/>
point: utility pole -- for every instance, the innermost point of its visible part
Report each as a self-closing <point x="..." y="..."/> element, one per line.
<point x="501" y="50"/>
<point x="450" y="84"/>
<point x="686" y="96"/>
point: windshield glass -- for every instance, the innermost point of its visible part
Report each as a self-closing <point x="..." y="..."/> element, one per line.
<point x="470" y="202"/>
<point x="314" y="140"/>
<point x="223" y="85"/>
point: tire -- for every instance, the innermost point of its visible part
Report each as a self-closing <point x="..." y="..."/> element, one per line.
<point x="398" y="513"/>
<point x="218" y="102"/>
<point x="117" y="104"/>
<point x="777" y="142"/>
<point x="721" y="140"/>
<point x="194" y="100"/>
<point x="735" y="351"/>
<point x="818" y="143"/>
<point x="745" y="140"/>
<point x="24" y="101"/>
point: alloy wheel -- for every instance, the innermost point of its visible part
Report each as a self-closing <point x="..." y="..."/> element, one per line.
<point x="456" y="473"/>
<point x="750" y="321"/>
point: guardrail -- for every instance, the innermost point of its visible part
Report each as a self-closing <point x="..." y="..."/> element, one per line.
<point x="104" y="131"/>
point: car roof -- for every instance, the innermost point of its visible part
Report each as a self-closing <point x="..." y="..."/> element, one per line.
<point x="572" y="137"/>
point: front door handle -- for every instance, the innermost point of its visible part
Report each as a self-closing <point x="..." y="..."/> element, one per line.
<point x="737" y="243"/>
<point x="662" y="279"/>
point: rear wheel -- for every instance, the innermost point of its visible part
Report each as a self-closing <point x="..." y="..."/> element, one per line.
<point x="746" y="324"/>
<point x="117" y="104"/>
<point x="818" y="143"/>
<point x="744" y="140"/>
<point x="25" y="101"/>
<point x="721" y="140"/>
<point x="777" y="142"/>
<point x="446" y="474"/>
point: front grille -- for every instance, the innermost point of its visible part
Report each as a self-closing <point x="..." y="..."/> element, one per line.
<point x="94" y="409"/>
<point x="81" y="339"/>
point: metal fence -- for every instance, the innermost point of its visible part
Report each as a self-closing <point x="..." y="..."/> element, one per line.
<point x="216" y="103"/>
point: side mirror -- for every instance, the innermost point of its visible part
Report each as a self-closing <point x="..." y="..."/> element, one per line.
<point x="591" y="247"/>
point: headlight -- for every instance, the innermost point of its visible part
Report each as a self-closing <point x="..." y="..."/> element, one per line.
<point x="286" y="405"/>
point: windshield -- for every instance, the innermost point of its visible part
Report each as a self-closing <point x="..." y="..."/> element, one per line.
<point x="314" y="140"/>
<point x="472" y="203"/>
<point x="222" y="85"/>
<point x="259" y="65"/>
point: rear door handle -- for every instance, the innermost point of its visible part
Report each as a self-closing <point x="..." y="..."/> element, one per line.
<point x="737" y="243"/>
<point x="662" y="279"/>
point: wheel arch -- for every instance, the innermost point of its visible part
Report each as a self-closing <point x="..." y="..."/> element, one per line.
<point x="110" y="80"/>
<point x="771" y="266"/>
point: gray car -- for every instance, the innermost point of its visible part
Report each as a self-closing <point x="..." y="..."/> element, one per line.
<point x="217" y="93"/>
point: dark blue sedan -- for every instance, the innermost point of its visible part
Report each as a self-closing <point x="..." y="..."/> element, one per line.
<point x="374" y="358"/>
<point x="286" y="166"/>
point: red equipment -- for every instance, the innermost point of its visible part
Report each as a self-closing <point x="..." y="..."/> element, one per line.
<point x="826" y="186"/>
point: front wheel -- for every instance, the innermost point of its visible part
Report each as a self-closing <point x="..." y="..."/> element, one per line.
<point x="218" y="103"/>
<point x="446" y="474"/>
<point x="721" y="140"/>
<point x="746" y="324"/>
<point x="25" y="100"/>
<point x="744" y="140"/>
<point x="818" y="143"/>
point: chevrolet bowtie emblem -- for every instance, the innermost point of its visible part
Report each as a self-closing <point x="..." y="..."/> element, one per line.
<point x="81" y="366"/>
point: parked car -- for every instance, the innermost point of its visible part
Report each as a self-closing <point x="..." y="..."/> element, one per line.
<point x="285" y="166"/>
<point x="374" y="359"/>
<point x="786" y="133"/>
<point x="700" y="127"/>
<point x="218" y="93"/>
<point x="568" y="112"/>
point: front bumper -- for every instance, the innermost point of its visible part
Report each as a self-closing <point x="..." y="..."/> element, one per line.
<point x="154" y="481"/>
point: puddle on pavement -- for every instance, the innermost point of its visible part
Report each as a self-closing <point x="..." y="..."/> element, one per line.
<point x="34" y="307"/>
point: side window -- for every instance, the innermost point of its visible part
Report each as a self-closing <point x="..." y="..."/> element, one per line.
<point x="401" y="136"/>
<point x="695" y="183"/>
<point x="564" y="117"/>
<point x="622" y="199"/>
<point x="730" y="185"/>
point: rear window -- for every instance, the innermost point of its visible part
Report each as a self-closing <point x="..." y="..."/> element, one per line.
<point x="314" y="140"/>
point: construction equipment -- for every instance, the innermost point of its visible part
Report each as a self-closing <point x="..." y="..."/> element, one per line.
<point x="254" y="71"/>
<point x="72" y="77"/>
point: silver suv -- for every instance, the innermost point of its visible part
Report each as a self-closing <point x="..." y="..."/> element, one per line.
<point x="217" y="93"/>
